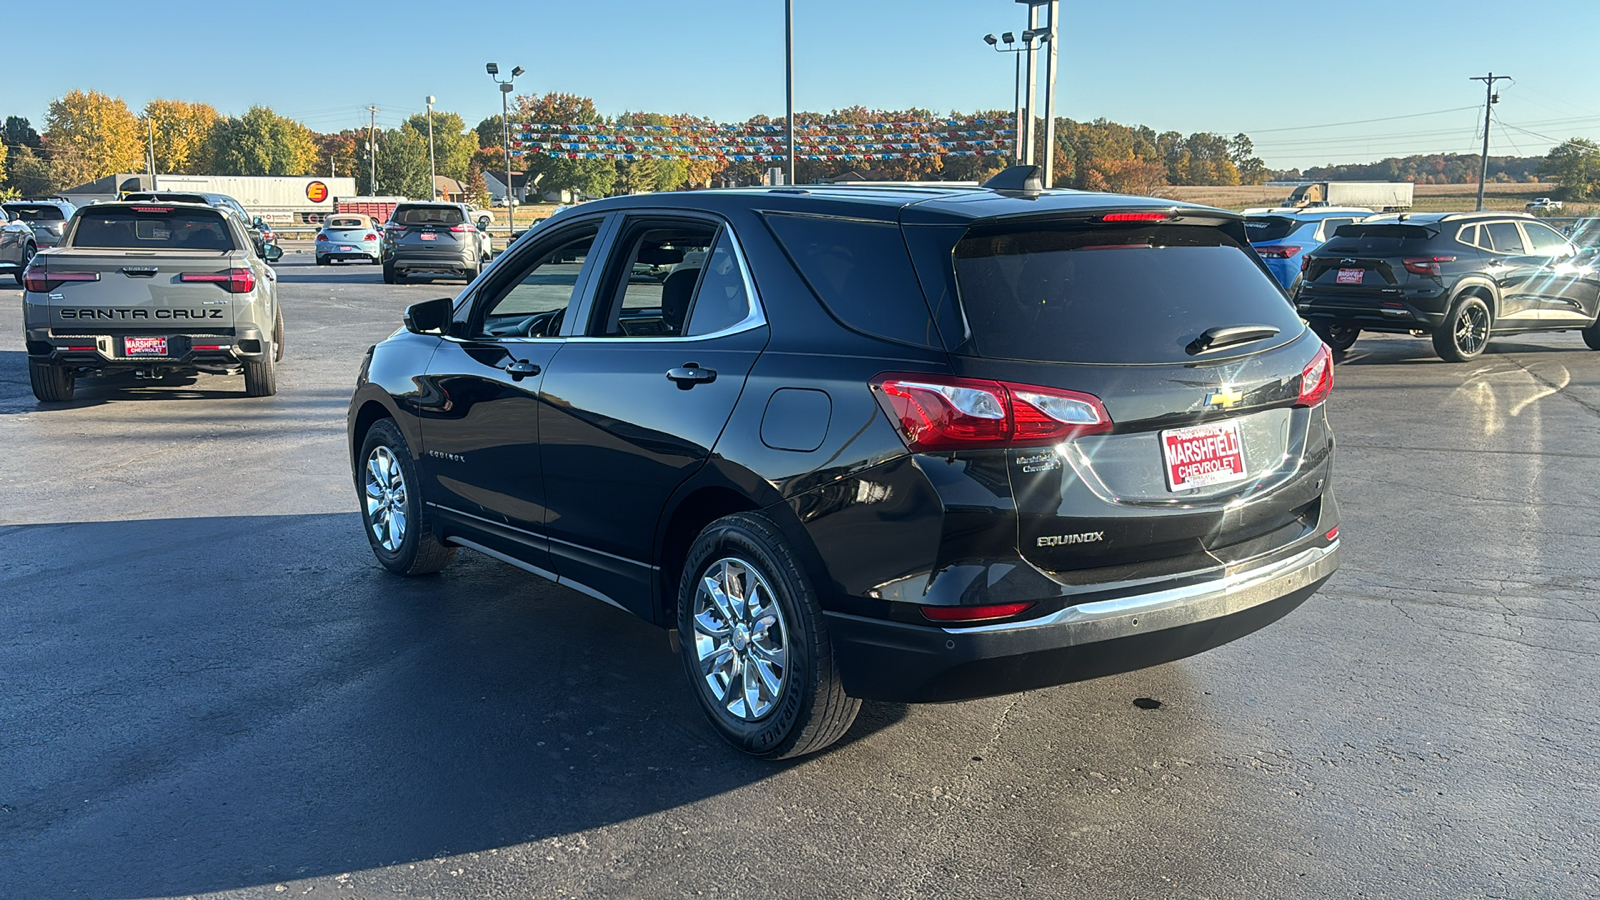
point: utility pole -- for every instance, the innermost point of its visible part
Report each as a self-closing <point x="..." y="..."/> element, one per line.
<point x="1033" y="80"/>
<point x="1490" y="98"/>
<point x="788" y="105"/>
<point x="432" y="174"/>
<point x="152" y="123"/>
<point x="1050" y="98"/>
<point x="372" y="148"/>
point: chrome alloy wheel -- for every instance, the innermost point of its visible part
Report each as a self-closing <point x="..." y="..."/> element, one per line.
<point x="386" y="499"/>
<point x="1472" y="330"/>
<point x="740" y="638"/>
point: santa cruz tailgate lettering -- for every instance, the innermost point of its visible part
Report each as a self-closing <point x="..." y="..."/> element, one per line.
<point x="102" y="314"/>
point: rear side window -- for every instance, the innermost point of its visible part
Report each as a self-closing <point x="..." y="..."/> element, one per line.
<point x="1504" y="237"/>
<point x="152" y="228"/>
<point x="1269" y="228"/>
<point x="861" y="272"/>
<point x="1378" y="240"/>
<point x="429" y="215"/>
<point x="1110" y="295"/>
<point x="36" y="213"/>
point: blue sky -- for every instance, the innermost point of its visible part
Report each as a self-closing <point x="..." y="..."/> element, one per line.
<point x="1269" y="69"/>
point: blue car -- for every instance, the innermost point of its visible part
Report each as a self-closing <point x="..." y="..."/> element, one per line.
<point x="1283" y="237"/>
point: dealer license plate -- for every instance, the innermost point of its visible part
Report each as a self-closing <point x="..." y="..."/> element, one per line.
<point x="347" y="249"/>
<point x="1351" y="276"/>
<point x="144" y="346"/>
<point x="1203" y="455"/>
<point x="429" y="236"/>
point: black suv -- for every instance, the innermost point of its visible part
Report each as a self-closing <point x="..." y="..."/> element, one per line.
<point x="1456" y="276"/>
<point x="895" y="443"/>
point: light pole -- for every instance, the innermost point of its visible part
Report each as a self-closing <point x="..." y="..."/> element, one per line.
<point x="505" y="135"/>
<point x="1024" y="148"/>
<point x="788" y="83"/>
<point x="433" y="183"/>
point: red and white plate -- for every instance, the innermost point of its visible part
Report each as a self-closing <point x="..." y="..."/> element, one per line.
<point x="144" y="346"/>
<point x="429" y="236"/>
<point x="1351" y="276"/>
<point x="1203" y="455"/>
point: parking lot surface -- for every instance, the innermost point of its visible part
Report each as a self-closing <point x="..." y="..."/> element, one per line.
<point x="208" y="685"/>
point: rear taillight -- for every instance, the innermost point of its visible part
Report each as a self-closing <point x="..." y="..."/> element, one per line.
<point x="934" y="412"/>
<point x="460" y="228"/>
<point x="370" y="237"/>
<point x="1281" y="251"/>
<point x="322" y="237"/>
<point x="39" y="280"/>
<point x="1316" y="379"/>
<point x="975" y="613"/>
<point x="1305" y="263"/>
<point x="234" y="281"/>
<point x="1427" y="265"/>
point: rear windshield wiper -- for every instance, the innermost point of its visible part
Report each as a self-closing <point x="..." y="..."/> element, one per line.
<point x="1228" y="335"/>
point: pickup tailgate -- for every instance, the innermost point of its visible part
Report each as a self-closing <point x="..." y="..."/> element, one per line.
<point x="112" y="290"/>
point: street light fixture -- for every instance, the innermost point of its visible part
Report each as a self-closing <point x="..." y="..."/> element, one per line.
<point x="1024" y="148"/>
<point x="505" y="135"/>
<point x="433" y="184"/>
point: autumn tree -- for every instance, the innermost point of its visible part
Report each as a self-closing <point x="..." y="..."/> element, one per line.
<point x="489" y="133"/>
<point x="261" y="142"/>
<point x="594" y="177"/>
<point x="336" y="152"/>
<point x="29" y="174"/>
<point x="182" y="135"/>
<point x="91" y="135"/>
<point x="4" y="152"/>
<point x="1576" y="164"/>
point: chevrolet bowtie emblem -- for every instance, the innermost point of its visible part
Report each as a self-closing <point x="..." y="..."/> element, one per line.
<point x="1224" y="397"/>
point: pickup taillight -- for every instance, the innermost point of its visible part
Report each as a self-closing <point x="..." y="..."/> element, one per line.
<point x="37" y="279"/>
<point x="234" y="281"/>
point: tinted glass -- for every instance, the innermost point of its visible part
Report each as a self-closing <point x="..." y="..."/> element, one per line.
<point x="157" y="228"/>
<point x="1377" y="240"/>
<point x="429" y="215"/>
<point x="861" y="273"/>
<point x="35" y="213"/>
<point x="1468" y="235"/>
<point x="656" y="284"/>
<point x="721" y="302"/>
<point x="1546" y="241"/>
<point x="1111" y="295"/>
<point x="1269" y="228"/>
<point x="531" y="305"/>
<point x="1504" y="237"/>
<point x="347" y="222"/>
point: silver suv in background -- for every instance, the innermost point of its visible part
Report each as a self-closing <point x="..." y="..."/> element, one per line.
<point x="434" y="239"/>
<point x="17" y="244"/>
<point x="47" y="218"/>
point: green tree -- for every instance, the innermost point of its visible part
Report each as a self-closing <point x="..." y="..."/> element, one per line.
<point x="403" y="164"/>
<point x="29" y="173"/>
<point x="489" y="134"/>
<point x="1242" y="153"/>
<point x="18" y="132"/>
<point x="1576" y="164"/>
<point x="594" y="177"/>
<point x="261" y="142"/>
<point x="182" y="135"/>
<point x="453" y="144"/>
<point x="91" y="135"/>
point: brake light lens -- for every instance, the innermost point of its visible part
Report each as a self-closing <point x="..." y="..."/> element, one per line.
<point x="1136" y="217"/>
<point x="234" y="281"/>
<point x="370" y="237"/>
<point x="1282" y="251"/>
<point x="460" y="228"/>
<point x="975" y="613"/>
<point x="321" y="237"/>
<point x="39" y="280"/>
<point x="1305" y="263"/>
<point x="1316" y="379"/>
<point x="934" y="412"/>
<point x="1427" y="265"/>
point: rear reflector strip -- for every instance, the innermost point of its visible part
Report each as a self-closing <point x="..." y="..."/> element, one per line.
<point x="975" y="613"/>
<point x="1333" y="535"/>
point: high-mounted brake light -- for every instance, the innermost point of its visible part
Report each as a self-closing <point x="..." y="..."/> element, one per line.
<point x="152" y="209"/>
<point x="1281" y="251"/>
<point x="975" y="613"/>
<point x="1136" y="217"/>
<point x="1316" y="379"/>
<point x="1427" y="265"/>
<point x="934" y="412"/>
<point x="234" y="281"/>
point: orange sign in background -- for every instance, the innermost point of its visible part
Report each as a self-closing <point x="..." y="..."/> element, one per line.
<point x="316" y="192"/>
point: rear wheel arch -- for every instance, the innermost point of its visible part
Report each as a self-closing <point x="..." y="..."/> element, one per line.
<point x="692" y="513"/>
<point x="1482" y="290"/>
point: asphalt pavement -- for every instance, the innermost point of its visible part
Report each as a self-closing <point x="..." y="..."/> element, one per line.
<point x="209" y="687"/>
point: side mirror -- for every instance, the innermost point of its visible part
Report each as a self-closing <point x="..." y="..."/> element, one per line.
<point x="272" y="253"/>
<point x="257" y="223"/>
<point x="430" y="316"/>
<point x="483" y="223"/>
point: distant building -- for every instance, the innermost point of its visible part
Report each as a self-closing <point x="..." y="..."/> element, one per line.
<point x="496" y="182"/>
<point x="449" y="190"/>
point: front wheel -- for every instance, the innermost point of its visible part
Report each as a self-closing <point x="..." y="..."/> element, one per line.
<point x="1339" y="338"/>
<point x="51" y="384"/>
<point x="391" y="502"/>
<point x="1465" y="331"/>
<point x="754" y="643"/>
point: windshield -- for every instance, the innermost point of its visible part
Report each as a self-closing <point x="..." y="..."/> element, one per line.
<point x="152" y="228"/>
<point x="429" y="215"/>
<point x="35" y="213"/>
<point x="1111" y="295"/>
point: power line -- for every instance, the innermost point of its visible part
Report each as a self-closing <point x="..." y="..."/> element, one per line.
<point x="1437" y="112"/>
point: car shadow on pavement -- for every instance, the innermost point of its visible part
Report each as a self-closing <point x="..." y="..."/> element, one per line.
<point x="16" y="394"/>
<point x="206" y="704"/>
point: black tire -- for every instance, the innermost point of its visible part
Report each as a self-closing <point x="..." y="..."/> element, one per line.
<point x="388" y="274"/>
<point x="810" y="710"/>
<point x="419" y="550"/>
<point x="321" y="261"/>
<point x="375" y="260"/>
<point x="1338" y="337"/>
<point x="1465" y="331"/>
<point x="51" y="384"/>
<point x="261" y="378"/>
<point x="28" y="252"/>
<point x="1591" y="336"/>
<point x="277" y="335"/>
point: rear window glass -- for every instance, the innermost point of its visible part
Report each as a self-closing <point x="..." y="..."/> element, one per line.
<point x="1123" y="295"/>
<point x="1269" y="228"/>
<point x="429" y="215"/>
<point x="152" y="228"/>
<point x="1377" y="240"/>
<point x="36" y="213"/>
<point x="347" y="222"/>
<point x="861" y="272"/>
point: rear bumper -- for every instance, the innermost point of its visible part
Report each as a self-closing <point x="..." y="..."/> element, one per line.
<point x="238" y="345"/>
<point x="1393" y="311"/>
<point x="884" y="660"/>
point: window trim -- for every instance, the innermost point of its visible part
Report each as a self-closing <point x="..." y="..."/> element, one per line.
<point x="756" y="318"/>
<point x="473" y="300"/>
<point x="1484" y="233"/>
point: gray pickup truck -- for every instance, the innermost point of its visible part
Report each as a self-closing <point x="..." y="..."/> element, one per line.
<point x="156" y="289"/>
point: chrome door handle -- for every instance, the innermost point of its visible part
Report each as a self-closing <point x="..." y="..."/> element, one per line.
<point x="521" y="368"/>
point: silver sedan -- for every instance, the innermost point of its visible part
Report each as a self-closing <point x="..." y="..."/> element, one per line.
<point x="349" y="237"/>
